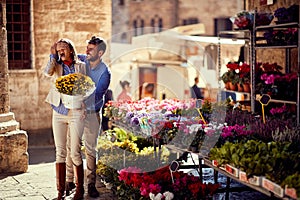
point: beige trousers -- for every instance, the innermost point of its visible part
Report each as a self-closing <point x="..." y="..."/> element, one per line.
<point x="61" y="125"/>
<point x="90" y="137"/>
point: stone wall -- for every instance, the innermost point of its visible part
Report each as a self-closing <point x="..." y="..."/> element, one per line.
<point x="207" y="11"/>
<point x="13" y="141"/>
<point x="77" y="20"/>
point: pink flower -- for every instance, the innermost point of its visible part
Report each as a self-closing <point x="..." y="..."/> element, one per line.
<point x="278" y="110"/>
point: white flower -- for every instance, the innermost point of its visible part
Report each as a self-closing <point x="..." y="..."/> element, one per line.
<point x="157" y="197"/>
<point x="151" y="195"/>
<point x="168" y="195"/>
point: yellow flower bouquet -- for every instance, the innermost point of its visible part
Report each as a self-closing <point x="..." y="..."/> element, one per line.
<point x="74" y="88"/>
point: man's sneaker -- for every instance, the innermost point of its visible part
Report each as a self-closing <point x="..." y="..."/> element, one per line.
<point x="92" y="191"/>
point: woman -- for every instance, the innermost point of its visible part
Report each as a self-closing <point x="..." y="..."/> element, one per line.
<point x="63" y="61"/>
<point x="125" y="94"/>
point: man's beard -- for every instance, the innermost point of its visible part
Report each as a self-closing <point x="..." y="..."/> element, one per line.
<point x="93" y="58"/>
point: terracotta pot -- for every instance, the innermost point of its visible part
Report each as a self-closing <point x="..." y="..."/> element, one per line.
<point x="227" y="86"/>
<point x="240" y="88"/>
<point x="246" y="87"/>
<point x="232" y="86"/>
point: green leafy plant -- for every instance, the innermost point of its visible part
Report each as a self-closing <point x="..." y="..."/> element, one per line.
<point x="273" y="160"/>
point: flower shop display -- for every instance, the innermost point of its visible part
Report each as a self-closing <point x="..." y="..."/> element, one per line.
<point x="131" y="179"/>
<point x="74" y="88"/>
<point x="263" y="152"/>
<point x="236" y="139"/>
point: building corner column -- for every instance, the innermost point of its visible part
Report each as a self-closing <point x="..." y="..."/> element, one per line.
<point x="13" y="141"/>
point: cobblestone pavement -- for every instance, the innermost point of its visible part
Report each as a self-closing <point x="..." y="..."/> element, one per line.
<point x="38" y="182"/>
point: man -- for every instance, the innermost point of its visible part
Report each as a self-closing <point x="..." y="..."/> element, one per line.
<point x="101" y="75"/>
<point x="195" y="90"/>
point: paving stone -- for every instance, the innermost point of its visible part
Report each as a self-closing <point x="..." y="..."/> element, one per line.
<point x="39" y="183"/>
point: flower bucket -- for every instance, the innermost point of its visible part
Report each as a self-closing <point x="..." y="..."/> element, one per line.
<point x="72" y="101"/>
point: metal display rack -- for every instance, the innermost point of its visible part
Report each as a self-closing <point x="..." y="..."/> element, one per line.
<point x="288" y="47"/>
<point x="251" y="37"/>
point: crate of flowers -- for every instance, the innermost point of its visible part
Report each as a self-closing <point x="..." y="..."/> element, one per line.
<point x="74" y="88"/>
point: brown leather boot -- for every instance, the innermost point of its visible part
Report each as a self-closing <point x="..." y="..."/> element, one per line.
<point x="60" y="180"/>
<point x="79" y="175"/>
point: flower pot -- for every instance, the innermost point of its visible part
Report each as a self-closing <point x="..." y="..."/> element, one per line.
<point x="232" y="86"/>
<point x="246" y="87"/>
<point x="72" y="102"/>
<point x="240" y="88"/>
<point x="227" y="86"/>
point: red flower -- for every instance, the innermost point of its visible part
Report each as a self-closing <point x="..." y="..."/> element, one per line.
<point x="232" y="66"/>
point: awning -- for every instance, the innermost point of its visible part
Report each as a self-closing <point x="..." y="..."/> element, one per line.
<point x="193" y="29"/>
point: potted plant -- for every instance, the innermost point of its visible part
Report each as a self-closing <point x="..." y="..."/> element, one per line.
<point x="230" y="79"/>
<point x="243" y="20"/>
<point x="234" y="79"/>
<point x="226" y="80"/>
<point x="244" y="73"/>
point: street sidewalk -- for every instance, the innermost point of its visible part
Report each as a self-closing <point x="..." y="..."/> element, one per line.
<point x="39" y="182"/>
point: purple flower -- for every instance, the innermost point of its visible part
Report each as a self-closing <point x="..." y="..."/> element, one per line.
<point x="134" y="121"/>
<point x="281" y="13"/>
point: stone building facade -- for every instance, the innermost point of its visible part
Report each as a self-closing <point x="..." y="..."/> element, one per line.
<point x="155" y="14"/>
